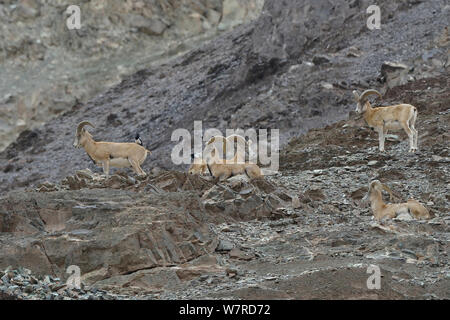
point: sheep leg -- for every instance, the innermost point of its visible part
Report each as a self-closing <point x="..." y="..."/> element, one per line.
<point x="106" y="167"/>
<point x="410" y="134"/>
<point x="411" y="125"/>
<point x="414" y="139"/>
<point x="136" y="167"/>
<point x="381" y="139"/>
<point x="142" y="171"/>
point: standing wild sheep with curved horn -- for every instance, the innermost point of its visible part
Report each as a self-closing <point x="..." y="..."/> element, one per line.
<point x="106" y="154"/>
<point x="382" y="119"/>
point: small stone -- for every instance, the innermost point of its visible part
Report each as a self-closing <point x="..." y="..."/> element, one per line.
<point x="203" y="277"/>
<point x="319" y="59"/>
<point x="225" y="245"/>
<point x="392" y="137"/>
<point x="56" y="286"/>
<point x="231" y="272"/>
<point x="28" y="289"/>
<point x="5" y="279"/>
<point x="326" y="85"/>
<point x="411" y="261"/>
<point x="317" y="172"/>
<point x="241" y="255"/>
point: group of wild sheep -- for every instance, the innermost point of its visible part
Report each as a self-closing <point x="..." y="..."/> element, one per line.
<point x="214" y="162"/>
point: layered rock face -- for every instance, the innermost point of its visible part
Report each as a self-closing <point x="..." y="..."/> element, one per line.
<point x="110" y="227"/>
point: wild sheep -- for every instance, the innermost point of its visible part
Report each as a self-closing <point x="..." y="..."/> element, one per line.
<point x="230" y="140"/>
<point x="223" y="169"/>
<point x="106" y="154"/>
<point x="391" y="210"/>
<point x="199" y="165"/>
<point x="382" y="119"/>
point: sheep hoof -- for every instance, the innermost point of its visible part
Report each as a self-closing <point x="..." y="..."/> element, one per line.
<point x="142" y="176"/>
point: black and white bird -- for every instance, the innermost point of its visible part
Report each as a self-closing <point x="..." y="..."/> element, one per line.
<point x="138" y="140"/>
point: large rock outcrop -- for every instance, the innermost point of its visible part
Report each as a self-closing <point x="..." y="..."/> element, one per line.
<point x="117" y="226"/>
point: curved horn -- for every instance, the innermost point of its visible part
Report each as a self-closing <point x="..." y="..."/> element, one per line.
<point x="213" y="139"/>
<point x="369" y="92"/>
<point x="386" y="188"/>
<point x="213" y="144"/>
<point x="236" y="138"/>
<point x="82" y="124"/>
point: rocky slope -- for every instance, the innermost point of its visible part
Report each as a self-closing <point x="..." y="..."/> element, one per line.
<point x="299" y="78"/>
<point x="47" y="68"/>
<point x="300" y="234"/>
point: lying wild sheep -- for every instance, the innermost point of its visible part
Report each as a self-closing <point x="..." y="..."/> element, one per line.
<point x="223" y="169"/>
<point x="106" y="154"/>
<point x="391" y="210"/>
<point x="382" y="119"/>
<point x="230" y="140"/>
<point x="199" y="165"/>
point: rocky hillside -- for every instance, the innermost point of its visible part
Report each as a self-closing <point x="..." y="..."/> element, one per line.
<point x="47" y="68"/>
<point x="301" y="77"/>
<point x="302" y="233"/>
